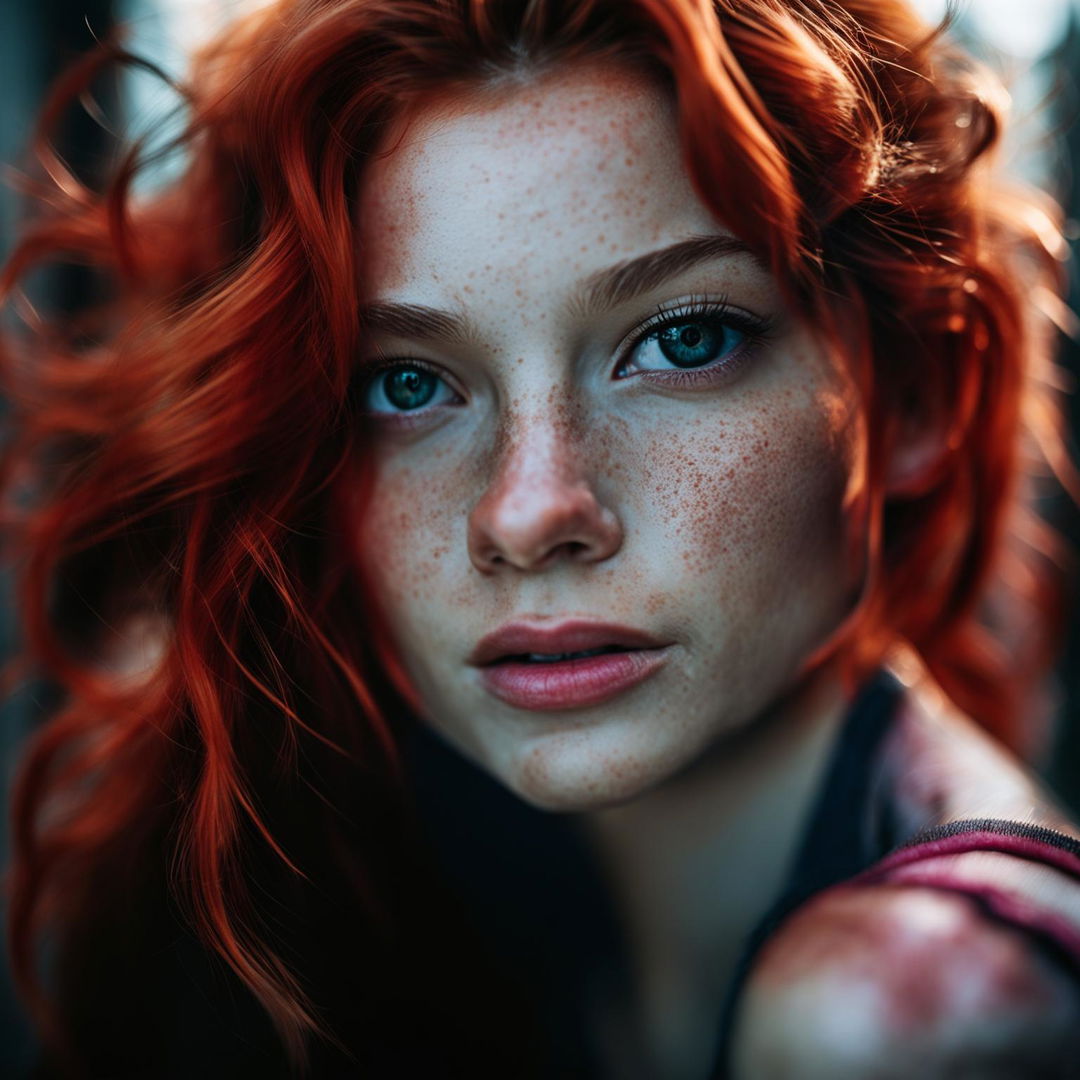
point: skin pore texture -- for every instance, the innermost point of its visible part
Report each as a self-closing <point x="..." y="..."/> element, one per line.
<point x="559" y="471"/>
<point x="550" y="478"/>
<point x="534" y="456"/>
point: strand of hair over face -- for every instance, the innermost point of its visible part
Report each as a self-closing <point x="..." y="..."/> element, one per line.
<point x="173" y="453"/>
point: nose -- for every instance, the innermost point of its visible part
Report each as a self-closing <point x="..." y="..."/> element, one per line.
<point x="540" y="507"/>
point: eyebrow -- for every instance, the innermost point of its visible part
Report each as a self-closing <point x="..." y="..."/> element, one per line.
<point x="626" y="280"/>
<point x="416" y="321"/>
<point x="602" y="290"/>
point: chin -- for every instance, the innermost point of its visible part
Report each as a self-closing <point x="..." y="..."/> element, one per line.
<point x="581" y="771"/>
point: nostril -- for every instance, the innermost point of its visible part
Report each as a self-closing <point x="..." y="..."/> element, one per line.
<point x="571" y="550"/>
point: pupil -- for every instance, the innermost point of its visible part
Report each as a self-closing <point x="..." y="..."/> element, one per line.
<point x="410" y="388"/>
<point x="691" y="344"/>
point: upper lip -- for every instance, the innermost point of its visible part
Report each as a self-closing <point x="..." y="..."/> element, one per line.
<point x="550" y="638"/>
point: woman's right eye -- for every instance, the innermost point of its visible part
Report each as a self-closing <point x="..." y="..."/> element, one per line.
<point x="405" y="388"/>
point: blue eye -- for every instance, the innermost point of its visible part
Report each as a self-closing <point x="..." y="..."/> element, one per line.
<point x="692" y="344"/>
<point x="404" y="388"/>
<point x="697" y="341"/>
<point x="686" y="343"/>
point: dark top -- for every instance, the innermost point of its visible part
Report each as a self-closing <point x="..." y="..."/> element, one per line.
<point x="503" y="943"/>
<point x="537" y="898"/>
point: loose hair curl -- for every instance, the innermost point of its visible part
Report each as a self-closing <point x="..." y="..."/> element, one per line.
<point x="171" y="455"/>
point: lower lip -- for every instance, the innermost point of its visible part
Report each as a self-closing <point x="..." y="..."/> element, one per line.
<point x="570" y="684"/>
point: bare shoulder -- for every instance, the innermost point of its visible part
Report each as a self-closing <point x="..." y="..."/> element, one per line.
<point x="941" y="766"/>
<point x="900" y="981"/>
<point x="951" y="960"/>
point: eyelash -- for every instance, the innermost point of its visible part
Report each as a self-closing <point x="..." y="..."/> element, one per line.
<point x="715" y="312"/>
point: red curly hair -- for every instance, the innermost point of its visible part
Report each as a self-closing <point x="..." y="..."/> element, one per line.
<point x="171" y="454"/>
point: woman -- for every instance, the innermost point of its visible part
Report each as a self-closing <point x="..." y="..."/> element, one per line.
<point x="639" y="395"/>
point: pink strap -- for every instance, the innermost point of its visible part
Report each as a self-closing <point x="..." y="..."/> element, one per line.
<point x="1032" y="842"/>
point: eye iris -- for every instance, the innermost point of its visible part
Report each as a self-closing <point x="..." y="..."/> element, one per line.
<point x="691" y="344"/>
<point x="410" y="388"/>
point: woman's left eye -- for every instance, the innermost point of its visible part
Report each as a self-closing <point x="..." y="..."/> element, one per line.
<point x="685" y="342"/>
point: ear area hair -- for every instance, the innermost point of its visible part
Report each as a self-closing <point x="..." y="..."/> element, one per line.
<point x="917" y="454"/>
<point x="919" y="445"/>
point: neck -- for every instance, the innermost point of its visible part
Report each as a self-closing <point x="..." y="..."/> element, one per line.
<point x="694" y="864"/>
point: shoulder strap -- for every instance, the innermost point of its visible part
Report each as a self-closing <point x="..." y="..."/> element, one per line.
<point x="1033" y="842"/>
<point x="1052" y="916"/>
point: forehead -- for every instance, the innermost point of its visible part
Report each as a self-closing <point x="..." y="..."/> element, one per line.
<point x="566" y="172"/>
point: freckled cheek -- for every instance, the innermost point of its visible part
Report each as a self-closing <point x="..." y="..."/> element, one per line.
<point x="739" y="500"/>
<point x="402" y="541"/>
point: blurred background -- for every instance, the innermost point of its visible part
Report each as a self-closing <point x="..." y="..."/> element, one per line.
<point x="1033" y="44"/>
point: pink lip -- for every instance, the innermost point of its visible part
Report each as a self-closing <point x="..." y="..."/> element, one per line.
<point x="565" y="684"/>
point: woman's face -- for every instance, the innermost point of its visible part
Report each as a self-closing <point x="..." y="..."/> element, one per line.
<point x="592" y="426"/>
